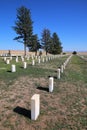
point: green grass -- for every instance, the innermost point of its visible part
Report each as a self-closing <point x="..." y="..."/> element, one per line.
<point x="76" y="76"/>
<point x="66" y="107"/>
<point x="77" y="70"/>
<point x="39" y="70"/>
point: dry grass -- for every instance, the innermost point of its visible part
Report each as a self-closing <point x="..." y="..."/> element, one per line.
<point x="64" y="109"/>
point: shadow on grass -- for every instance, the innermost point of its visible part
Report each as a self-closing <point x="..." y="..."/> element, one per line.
<point x="43" y="88"/>
<point x="21" y="67"/>
<point x="23" y="111"/>
<point x="9" y="71"/>
<point x="55" y="77"/>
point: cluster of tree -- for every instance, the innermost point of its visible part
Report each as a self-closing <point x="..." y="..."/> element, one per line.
<point x="51" y="44"/>
<point x="24" y="29"/>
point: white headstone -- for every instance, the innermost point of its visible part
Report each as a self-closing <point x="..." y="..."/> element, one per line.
<point x="13" y="68"/>
<point x="51" y="84"/>
<point x="58" y="73"/>
<point x="33" y="62"/>
<point x="35" y="106"/>
<point x="25" y="65"/>
<point x="49" y="58"/>
<point x="8" y="62"/>
<point x="22" y="58"/>
<point x="16" y="59"/>
<point x="36" y="57"/>
<point x="61" y="68"/>
<point x="39" y="60"/>
<point x="43" y="60"/>
<point x="4" y="58"/>
<point x="64" y="65"/>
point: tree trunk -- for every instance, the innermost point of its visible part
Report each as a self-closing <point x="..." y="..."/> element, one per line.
<point x="35" y="53"/>
<point x="24" y="50"/>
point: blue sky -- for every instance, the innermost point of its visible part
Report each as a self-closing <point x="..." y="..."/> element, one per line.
<point x="68" y="18"/>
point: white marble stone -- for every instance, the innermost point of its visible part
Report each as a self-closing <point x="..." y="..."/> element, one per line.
<point x="16" y="59"/>
<point x="33" y="62"/>
<point x="35" y="106"/>
<point x="49" y="58"/>
<point x="58" y="73"/>
<point x="43" y="60"/>
<point x="7" y="61"/>
<point x="61" y="68"/>
<point x="4" y="58"/>
<point x="13" y="68"/>
<point x="39" y="60"/>
<point x="51" y="80"/>
<point x="64" y="65"/>
<point x="36" y="57"/>
<point x="25" y="65"/>
<point x="22" y="58"/>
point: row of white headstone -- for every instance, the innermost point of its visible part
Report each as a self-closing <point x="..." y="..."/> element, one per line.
<point x="34" y="59"/>
<point x="61" y="69"/>
<point x="13" y="68"/>
<point x="35" y="100"/>
<point x="82" y="57"/>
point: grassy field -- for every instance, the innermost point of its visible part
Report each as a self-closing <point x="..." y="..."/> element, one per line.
<point x="64" y="109"/>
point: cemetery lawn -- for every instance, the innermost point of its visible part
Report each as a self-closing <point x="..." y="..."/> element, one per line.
<point x="63" y="109"/>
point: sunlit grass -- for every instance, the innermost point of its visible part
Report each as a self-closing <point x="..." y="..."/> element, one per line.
<point x="65" y="108"/>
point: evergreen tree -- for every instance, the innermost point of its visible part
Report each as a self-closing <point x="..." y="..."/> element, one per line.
<point x="35" y="44"/>
<point x="55" y="46"/>
<point x="46" y="39"/>
<point x="23" y="27"/>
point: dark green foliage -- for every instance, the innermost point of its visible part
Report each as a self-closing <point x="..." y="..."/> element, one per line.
<point x="64" y="53"/>
<point x="46" y="39"/>
<point x="51" y="44"/>
<point x="23" y="26"/>
<point x="74" y="53"/>
<point x="35" y="44"/>
<point x="55" y="47"/>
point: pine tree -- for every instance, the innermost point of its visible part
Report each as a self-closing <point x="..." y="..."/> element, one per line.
<point x="55" y="46"/>
<point x="46" y="39"/>
<point x="35" y="46"/>
<point x="23" y="26"/>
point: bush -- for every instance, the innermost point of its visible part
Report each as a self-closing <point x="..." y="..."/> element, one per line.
<point x="64" y="53"/>
<point x="74" y="53"/>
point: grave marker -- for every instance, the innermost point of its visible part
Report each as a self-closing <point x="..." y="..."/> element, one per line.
<point x="35" y="106"/>
<point x="33" y="62"/>
<point x="8" y="62"/>
<point x="61" y="68"/>
<point x="51" y="84"/>
<point x="13" y="68"/>
<point x="25" y="65"/>
<point x="58" y="73"/>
